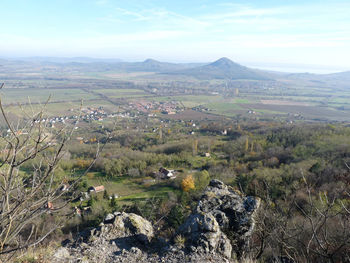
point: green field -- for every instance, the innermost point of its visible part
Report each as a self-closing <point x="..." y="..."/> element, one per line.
<point x="224" y="108"/>
<point x="122" y="93"/>
<point x="113" y="89"/>
<point x="60" y="108"/>
<point x="129" y="189"/>
<point x="28" y="95"/>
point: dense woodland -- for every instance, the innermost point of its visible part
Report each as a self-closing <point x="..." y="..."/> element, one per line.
<point x="300" y="171"/>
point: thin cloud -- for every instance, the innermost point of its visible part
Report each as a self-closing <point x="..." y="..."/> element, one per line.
<point x="137" y="15"/>
<point x="157" y="15"/>
<point x="102" y="2"/>
<point x="244" y="11"/>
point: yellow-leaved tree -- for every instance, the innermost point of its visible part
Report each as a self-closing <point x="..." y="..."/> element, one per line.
<point x="187" y="183"/>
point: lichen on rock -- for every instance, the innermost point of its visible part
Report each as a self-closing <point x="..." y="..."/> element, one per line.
<point x="222" y="222"/>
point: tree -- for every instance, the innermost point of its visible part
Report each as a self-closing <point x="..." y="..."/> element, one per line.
<point x="91" y="201"/>
<point x="133" y="172"/>
<point x="105" y="194"/>
<point x="187" y="184"/>
<point x="201" y="179"/>
<point x="195" y="147"/>
<point x="113" y="204"/>
<point x="246" y="147"/>
<point x="114" y="168"/>
<point x="26" y="198"/>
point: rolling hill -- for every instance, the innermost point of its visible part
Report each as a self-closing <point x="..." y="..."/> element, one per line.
<point x="223" y="68"/>
<point x="344" y="76"/>
<point x="151" y="65"/>
<point x="96" y="64"/>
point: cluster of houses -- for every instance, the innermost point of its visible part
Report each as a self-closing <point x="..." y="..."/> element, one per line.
<point x="201" y="108"/>
<point x="95" y="190"/>
<point x="53" y="120"/>
<point x="97" y="114"/>
<point x="87" y="195"/>
<point x="170" y="107"/>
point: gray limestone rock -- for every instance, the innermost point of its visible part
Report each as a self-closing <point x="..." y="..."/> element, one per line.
<point x="132" y="225"/>
<point x="223" y="221"/>
<point x="218" y="230"/>
<point x="61" y="255"/>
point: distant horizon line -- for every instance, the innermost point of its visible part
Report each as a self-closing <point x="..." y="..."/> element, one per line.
<point x="283" y="67"/>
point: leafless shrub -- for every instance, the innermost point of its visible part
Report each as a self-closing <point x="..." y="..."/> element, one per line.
<point x="27" y="199"/>
<point x="314" y="230"/>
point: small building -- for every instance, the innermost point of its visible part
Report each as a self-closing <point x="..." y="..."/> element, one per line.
<point x="96" y="189"/>
<point x="64" y="187"/>
<point x="166" y="174"/>
<point x="207" y="154"/>
<point x="115" y="196"/>
<point x="49" y="205"/>
<point x="77" y="211"/>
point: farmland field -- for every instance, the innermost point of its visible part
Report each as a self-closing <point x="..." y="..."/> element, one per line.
<point x="122" y="93"/>
<point x="14" y="96"/>
<point x="113" y="89"/>
<point x="129" y="189"/>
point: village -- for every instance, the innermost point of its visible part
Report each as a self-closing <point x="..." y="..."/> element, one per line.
<point x="152" y="107"/>
<point x="85" y="114"/>
<point x="88" y="114"/>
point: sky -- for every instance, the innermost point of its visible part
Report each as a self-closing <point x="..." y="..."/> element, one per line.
<point x="312" y="35"/>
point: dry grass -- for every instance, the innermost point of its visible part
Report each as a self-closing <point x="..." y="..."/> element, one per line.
<point x="40" y="254"/>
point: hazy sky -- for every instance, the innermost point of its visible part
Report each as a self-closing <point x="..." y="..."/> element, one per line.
<point x="260" y="31"/>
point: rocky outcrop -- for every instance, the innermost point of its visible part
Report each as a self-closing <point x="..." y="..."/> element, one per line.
<point x="223" y="221"/>
<point x="129" y="226"/>
<point x="119" y="238"/>
<point x="118" y="225"/>
<point x="218" y="230"/>
<point x="202" y="234"/>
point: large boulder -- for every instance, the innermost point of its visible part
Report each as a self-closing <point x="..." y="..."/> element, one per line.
<point x="223" y="221"/>
<point x="132" y="225"/>
<point x="203" y="234"/>
<point x="126" y="227"/>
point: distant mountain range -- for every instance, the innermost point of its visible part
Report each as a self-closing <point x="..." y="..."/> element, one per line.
<point x="223" y="68"/>
<point x="64" y="60"/>
<point x="151" y="65"/>
<point x="96" y="64"/>
<point x="340" y="76"/>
